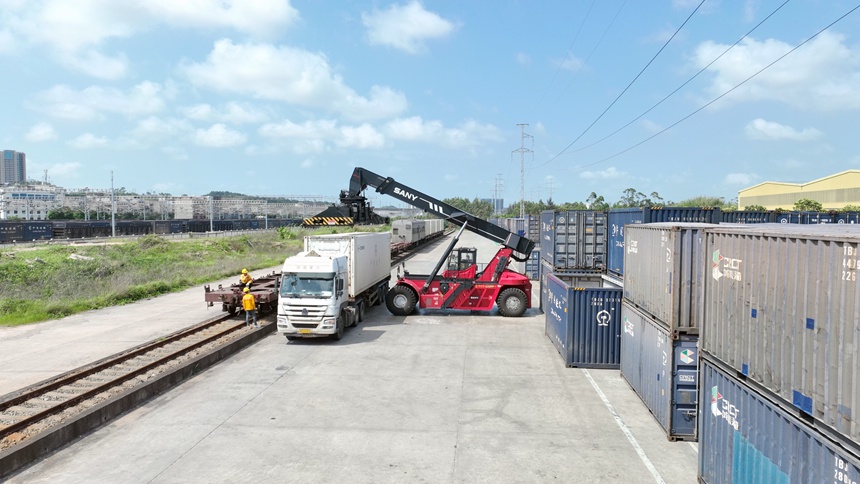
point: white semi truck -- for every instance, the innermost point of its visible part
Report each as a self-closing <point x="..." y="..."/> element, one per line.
<point x="329" y="286"/>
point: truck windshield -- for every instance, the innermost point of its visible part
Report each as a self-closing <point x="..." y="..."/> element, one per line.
<point x="310" y="284"/>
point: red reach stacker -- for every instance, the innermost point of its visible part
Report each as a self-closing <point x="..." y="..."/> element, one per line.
<point x="461" y="287"/>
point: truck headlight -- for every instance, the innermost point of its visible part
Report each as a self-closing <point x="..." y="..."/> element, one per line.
<point x="282" y="320"/>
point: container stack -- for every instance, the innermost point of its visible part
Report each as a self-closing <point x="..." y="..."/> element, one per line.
<point x="574" y="240"/>
<point x="662" y="311"/>
<point x="780" y="355"/>
<point x="582" y="317"/>
<point x="584" y="324"/>
<point x="618" y="218"/>
<point x="533" y="264"/>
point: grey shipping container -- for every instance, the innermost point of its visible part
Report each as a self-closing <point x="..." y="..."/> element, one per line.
<point x="744" y="437"/>
<point x="572" y="278"/>
<point x="782" y="305"/>
<point x="665" y="273"/>
<point x="663" y="371"/>
<point x="574" y="239"/>
<point x="584" y="324"/>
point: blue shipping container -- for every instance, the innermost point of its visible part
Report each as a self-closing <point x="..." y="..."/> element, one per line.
<point x="748" y="217"/>
<point x="848" y="217"/>
<point x="744" y="437"/>
<point x="546" y="239"/>
<point x="584" y="324"/>
<point x="618" y="218"/>
<point x="662" y="371"/>
<point x="38" y="230"/>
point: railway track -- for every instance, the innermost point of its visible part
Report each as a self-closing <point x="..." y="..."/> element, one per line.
<point x="30" y="411"/>
<point x="46" y="416"/>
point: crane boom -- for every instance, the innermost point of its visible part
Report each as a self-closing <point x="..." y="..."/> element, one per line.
<point x="362" y="178"/>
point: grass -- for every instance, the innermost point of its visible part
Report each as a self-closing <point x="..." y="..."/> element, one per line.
<point x="51" y="282"/>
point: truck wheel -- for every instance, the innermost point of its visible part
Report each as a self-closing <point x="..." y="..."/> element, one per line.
<point x="383" y="291"/>
<point x="338" y="333"/>
<point x="400" y="301"/>
<point x="231" y="310"/>
<point x="512" y="302"/>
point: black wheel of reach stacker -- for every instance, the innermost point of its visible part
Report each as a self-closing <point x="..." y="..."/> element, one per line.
<point x="401" y="300"/>
<point x="338" y="328"/>
<point x="512" y="302"/>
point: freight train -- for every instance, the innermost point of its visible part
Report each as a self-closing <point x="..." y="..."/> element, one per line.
<point x="28" y="231"/>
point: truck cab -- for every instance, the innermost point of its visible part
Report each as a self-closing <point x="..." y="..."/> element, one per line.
<point x="311" y="295"/>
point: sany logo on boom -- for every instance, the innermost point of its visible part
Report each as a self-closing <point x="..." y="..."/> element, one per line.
<point x="404" y="193"/>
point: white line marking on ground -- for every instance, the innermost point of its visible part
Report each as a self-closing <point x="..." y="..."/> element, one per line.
<point x="627" y="433"/>
<point x="694" y="446"/>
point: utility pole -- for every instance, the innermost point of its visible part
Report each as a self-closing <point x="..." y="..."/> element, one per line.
<point x="112" y="208"/>
<point x="522" y="151"/>
<point x="549" y="186"/>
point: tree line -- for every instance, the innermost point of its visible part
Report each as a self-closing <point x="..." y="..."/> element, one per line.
<point x="631" y="198"/>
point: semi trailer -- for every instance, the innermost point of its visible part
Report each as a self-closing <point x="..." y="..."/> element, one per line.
<point x="330" y="284"/>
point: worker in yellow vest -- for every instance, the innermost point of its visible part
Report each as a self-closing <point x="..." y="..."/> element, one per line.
<point x="249" y="304"/>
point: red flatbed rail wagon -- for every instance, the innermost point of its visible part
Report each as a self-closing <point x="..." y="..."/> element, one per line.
<point x="264" y="289"/>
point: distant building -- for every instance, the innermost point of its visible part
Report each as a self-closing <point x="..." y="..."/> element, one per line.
<point x="13" y="167"/>
<point x="832" y="192"/>
<point x="28" y="203"/>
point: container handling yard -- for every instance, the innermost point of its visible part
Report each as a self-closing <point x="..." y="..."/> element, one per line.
<point x="641" y="345"/>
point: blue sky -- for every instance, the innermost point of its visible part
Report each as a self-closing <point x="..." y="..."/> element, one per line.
<point x="286" y="97"/>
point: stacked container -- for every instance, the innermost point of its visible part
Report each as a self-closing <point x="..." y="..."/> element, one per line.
<point x="584" y="324"/>
<point x="781" y="325"/>
<point x="617" y="219"/>
<point x="574" y="239"/>
<point x="533" y="265"/>
<point x="662" y="312"/>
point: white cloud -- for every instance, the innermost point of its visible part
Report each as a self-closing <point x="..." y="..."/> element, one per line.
<point x="469" y="134"/>
<point x="318" y="129"/>
<point x="569" y="63"/>
<point x="741" y="179"/>
<point x="41" y="132"/>
<point x="405" y="27"/>
<point x="523" y="59"/>
<point x="154" y="127"/>
<point x="364" y="136"/>
<point x="87" y="141"/>
<point x="292" y="75"/>
<point x="264" y="18"/>
<point x="821" y="75"/>
<point x="769" y="130"/>
<point x="76" y="31"/>
<point x="99" y="65"/>
<point x="219" y="136"/>
<point x="607" y="174"/>
<point x="68" y="170"/>
<point x="91" y="103"/>
<point x="308" y="163"/>
<point x="168" y="187"/>
<point x="232" y="112"/>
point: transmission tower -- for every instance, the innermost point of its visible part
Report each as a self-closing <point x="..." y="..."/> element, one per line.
<point x="522" y="151"/>
<point x="498" y="187"/>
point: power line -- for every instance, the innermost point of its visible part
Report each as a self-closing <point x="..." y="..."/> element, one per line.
<point x="721" y="95"/>
<point x="637" y="118"/>
<point x="628" y="85"/>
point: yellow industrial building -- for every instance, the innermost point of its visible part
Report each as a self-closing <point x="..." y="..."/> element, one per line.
<point x="832" y="192"/>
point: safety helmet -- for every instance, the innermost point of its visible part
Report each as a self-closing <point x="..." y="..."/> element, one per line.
<point x="244" y="271"/>
<point x="246" y="290"/>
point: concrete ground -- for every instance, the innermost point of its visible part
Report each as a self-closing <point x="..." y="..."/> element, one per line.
<point x="436" y="397"/>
